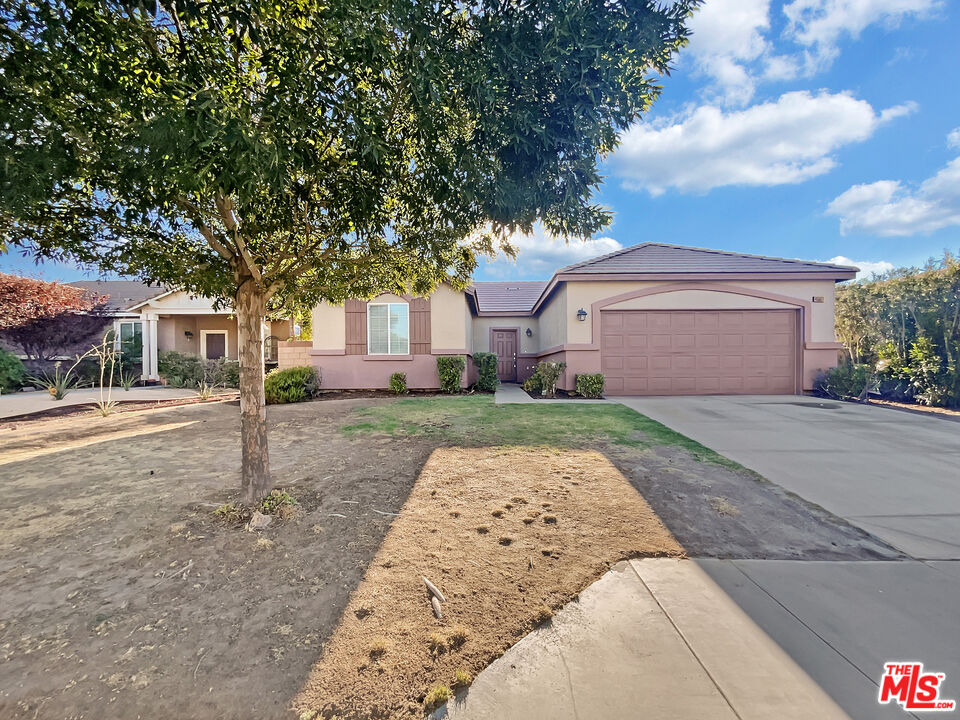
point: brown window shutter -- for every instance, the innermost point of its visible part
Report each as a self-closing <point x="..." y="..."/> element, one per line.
<point x="356" y="316"/>
<point x="419" y="326"/>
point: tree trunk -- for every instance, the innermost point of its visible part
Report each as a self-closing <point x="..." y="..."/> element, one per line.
<point x="251" y="309"/>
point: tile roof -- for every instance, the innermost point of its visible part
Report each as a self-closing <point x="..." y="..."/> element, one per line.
<point x="663" y="258"/>
<point x="122" y="293"/>
<point x="507" y="296"/>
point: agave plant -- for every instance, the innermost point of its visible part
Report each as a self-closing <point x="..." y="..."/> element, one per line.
<point x="57" y="384"/>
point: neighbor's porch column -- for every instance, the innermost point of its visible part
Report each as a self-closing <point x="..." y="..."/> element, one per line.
<point x="149" y="358"/>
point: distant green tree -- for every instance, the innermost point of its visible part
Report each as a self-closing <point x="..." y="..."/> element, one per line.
<point x="276" y="154"/>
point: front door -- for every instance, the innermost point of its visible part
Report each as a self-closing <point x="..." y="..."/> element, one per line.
<point x="214" y="345"/>
<point x="505" y="346"/>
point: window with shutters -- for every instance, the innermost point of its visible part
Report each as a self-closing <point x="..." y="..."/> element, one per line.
<point x="388" y="329"/>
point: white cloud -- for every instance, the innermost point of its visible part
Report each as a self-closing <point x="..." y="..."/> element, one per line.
<point x="785" y="141"/>
<point x="953" y="138"/>
<point x="889" y="208"/>
<point x="731" y="40"/>
<point x="820" y="24"/>
<point x="868" y="268"/>
<point x="540" y="255"/>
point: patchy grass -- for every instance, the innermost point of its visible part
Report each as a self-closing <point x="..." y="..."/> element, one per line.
<point x="475" y="421"/>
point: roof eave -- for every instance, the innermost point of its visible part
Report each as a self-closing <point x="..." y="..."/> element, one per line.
<point x="837" y="274"/>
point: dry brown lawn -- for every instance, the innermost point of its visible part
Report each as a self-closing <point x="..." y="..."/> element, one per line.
<point x="506" y="534"/>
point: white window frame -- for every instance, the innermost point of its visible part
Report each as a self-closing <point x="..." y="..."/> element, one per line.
<point x="118" y="331"/>
<point x="203" y="342"/>
<point x="406" y="309"/>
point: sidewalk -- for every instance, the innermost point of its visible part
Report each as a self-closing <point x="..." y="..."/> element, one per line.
<point x="512" y="394"/>
<point x="23" y="403"/>
<point x="652" y="638"/>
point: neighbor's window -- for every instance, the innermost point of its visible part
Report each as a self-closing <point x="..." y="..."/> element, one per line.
<point x="388" y="329"/>
<point x="130" y="337"/>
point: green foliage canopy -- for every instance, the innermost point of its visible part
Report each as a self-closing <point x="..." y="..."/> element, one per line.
<point x="321" y="150"/>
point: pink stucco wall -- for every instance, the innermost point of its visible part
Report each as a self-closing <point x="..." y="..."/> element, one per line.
<point x="358" y="372"/>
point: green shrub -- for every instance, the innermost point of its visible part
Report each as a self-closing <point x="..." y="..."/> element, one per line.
<point x="12" y="372"/>
<point x="590" y="385"/>
<point x="398" y="383"/>
<point x="844" y="381"/>
<point x="180" y="369"/>
<point x="544" y="379"/>
<point x="275" y="500"/>
<point x="532" y="384"/>
<point x="486" y="363"/>
<point x="231" y="374"/>
<point x="291" y="385"/>
<point x="450" y="368"/>
<point x="929" y="378"/>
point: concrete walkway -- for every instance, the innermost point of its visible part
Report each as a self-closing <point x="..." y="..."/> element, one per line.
<point x="513" y="394"/>
<point x="23" y="403"/>
<point x="652" y="639"/>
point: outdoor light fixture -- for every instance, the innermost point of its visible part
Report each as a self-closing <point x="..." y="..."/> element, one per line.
<point x="529" y="332"/>
<point x="188" y="333"/>
<point x="581" y="314"/>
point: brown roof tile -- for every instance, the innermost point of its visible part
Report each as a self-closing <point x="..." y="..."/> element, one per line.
<point x="664" y="258"/>
<point x="122" y="293"/>
<point x="516" y="297"/>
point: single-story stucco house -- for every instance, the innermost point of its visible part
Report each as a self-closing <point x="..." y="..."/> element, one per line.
<point x="655" y="319"/>
<point x="165" y="319"/>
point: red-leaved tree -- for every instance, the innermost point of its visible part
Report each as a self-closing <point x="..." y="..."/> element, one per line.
<point x="45" y="320"/>
<point x="24" y="300"/>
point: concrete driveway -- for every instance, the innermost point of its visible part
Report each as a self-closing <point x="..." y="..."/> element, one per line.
<point x="893" y="473"/>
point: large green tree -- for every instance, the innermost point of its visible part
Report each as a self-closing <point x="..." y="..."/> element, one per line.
<point x="280" y="153"/>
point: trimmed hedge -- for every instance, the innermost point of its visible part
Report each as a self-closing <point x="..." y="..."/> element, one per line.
<point x="450" y="369"/>
<point x="398" y="383"/>
<point x="291" y="385"/>
<point x="590" y="385"/>
<point x="486" y="363"/>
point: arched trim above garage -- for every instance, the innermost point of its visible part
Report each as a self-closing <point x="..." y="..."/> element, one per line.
<point x="803" y="305"/>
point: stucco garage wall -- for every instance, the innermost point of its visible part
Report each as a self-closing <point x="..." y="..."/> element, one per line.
<point x="818" y="341"/>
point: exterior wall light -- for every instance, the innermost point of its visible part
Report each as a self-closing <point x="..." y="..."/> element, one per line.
<point x="188" y="333"/>
<point x="581" y="314"/>
<point x="529" y="332"/>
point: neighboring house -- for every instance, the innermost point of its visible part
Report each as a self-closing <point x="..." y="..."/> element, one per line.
<point x="655" y="319"/>
<point x="163" y="319"/>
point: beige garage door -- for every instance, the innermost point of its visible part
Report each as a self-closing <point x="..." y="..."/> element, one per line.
<point x="699" y="352"/>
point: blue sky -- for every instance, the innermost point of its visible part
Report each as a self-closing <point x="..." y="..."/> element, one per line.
<point x="809" y="128"/>
<point x="817" y="129"/>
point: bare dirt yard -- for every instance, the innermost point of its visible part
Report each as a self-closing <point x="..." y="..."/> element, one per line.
<point x="123" y="596"/>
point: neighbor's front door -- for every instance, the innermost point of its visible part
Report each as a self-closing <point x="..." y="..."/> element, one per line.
<point x="505" y="346"/>
<point x="215" y="346"/>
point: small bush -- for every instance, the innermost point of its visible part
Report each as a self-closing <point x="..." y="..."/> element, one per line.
<point x="450" y="368"/>
<point x="437" y="696"/>
<point x="532" y="385"/>
<point x="486" y="363"/>
<point x="590" y="385"/>
<point x="180" y="369"/>
<point x="398" y="383"/>
<point x="291" y="385"/>
<point x="275" y="501"/>
<point x="461" y="678"/>
<point x="844" y="381"/>
<point x="544" y="379"/>
<point x="437" y="643"/>
<point x="231" y="374"/>
<point x="12" y="372"/>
